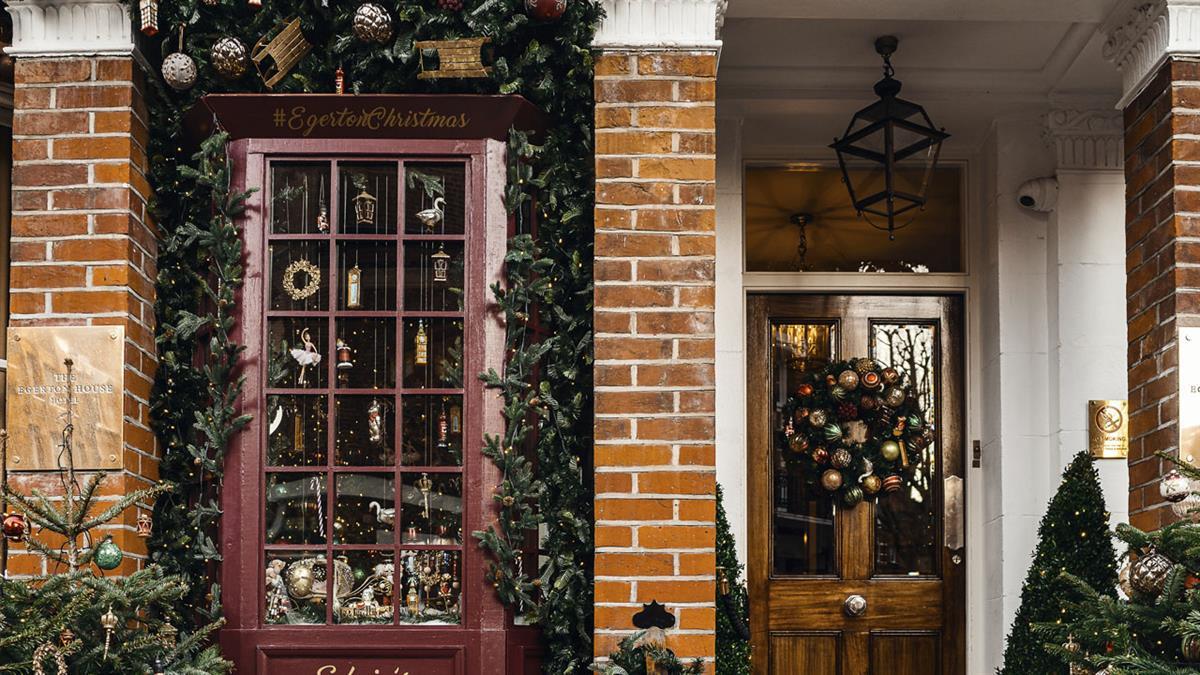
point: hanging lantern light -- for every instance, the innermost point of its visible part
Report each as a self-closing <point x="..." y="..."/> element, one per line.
<point x="899" y="146"/>
<point x="364" y="208"/>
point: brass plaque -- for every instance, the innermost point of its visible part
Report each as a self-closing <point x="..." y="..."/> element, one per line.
<point x="1189" y="394"/>
<point x="1108" y="428"/>
<point x="37" y="395"/>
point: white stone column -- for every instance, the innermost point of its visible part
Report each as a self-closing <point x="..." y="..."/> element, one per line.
<point x="1142" y="36"/>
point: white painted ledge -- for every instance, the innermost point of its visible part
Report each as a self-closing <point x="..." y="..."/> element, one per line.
<point x="1086" y="139"/>
<point x="1142" y="35"/>
<point x="49" y="28"/>
<point x="661" y="24"/>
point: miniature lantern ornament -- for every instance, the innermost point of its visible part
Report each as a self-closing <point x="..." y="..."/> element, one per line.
<point x="148" y="13"/>
<point x="441" y="265"/>
<point x="900" y="146"/>
<point x="364" y="208"/>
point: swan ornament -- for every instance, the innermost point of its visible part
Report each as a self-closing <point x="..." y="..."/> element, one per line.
<point x="432" y="216"/>
<point x="385" y="516"/>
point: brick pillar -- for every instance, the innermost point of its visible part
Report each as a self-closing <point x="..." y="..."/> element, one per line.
<point x="83" y="247"/>
<point x="655" y="343"/>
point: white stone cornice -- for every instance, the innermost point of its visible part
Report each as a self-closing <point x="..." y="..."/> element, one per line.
<point x="70" y="28"/>
<point x="661" y="24"/>
<point x="1086" y="139"/>
<point x="1142" y="36"/>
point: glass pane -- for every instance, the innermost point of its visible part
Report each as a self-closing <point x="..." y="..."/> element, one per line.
<point x="434" y="198"/>
<point x="432" y="431"/>
<point x="366" y="512"/>
<point x="432" y="509"/>
<point x="299" y="273"/>
<point x="298" y="353"/>
<point x="296" y="431"/>
<point x="433" y="353"/>
<point x="431" y="587"/>
<point x="803" y="518"/>
<point x="295" y="508"/>
<point x="364" y="430"/>
<point x="433" y="276"/>
<point x="907" y="522"/>
<point x="295" y="587"/>
<point x="370" y="600"/>
<point x="367" y="278"/>
<point x="300" y="198"/>
<point x="366" y="354"/>
<point x="800" y="218"/>
<point x="368" y="196"/>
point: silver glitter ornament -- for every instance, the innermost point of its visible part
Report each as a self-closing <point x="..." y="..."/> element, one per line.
<point x="372" y="23"/>
<point x="179" y="71"/>
<point x="229" y="58"/>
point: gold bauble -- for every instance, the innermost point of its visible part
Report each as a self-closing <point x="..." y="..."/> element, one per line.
<point x="890" y="450"/>
<point x="831" y="480"/>
<point x="871" y="484"/>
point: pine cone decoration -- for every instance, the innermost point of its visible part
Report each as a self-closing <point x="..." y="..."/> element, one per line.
<point x="847" y="411"/>
<point x="451" y="5"/>
<point x="372" y="23"/>
<point x="229" y="58"/>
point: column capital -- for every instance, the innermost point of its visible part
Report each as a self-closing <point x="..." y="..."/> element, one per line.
<point x="1142" y="35"/>
<point x="52" y="28"/>
<point x="661" y="24"/>
<point x="1086" y="139"/>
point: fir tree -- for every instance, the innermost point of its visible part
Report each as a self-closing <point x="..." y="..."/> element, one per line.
<point x="1073" y="538"/>
<point x="81" y="622"/>
<point x="733" y="608"/>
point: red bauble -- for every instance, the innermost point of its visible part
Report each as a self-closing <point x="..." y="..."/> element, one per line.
<point x="451" y="5"/>
<point x="546" y="10"/>
<point x="14" y="526"/>
<point x="805" y="389"/>
<point x="847" y="411"/>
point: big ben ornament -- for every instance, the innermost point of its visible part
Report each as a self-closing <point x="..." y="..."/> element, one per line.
<point x="421" y="346"/>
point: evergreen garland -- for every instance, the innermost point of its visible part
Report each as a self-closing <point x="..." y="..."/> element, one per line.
<point x="733" y="609"/>
<point x="200" y="271"/>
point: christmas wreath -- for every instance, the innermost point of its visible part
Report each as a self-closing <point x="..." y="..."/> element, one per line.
<point x="854" y="429"/>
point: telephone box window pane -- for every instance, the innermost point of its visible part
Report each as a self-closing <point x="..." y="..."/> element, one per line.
<point x="432" y="509"/>
<point x="366" y="512"/>
<point x="433" y="276"/>
<point x="434" y="198"/>
<point x="433" y="351"/>
<point x="365" y="430"/>
<point x="366" y="353"/>
<point x="295" y="588"/>
<point x="295" y="508"/>
<point x="433" y="428"/>
<point x="798" y="218"/>
<point x="298" y="353"/>
<point x="431" y="587"/>
<point x="367" y="276"/>
<point x="296" y="431"/>
<point x="299" y="274"/>
<point x="368" y="195"/>
<point x="300" y="198"/>
<point x="371" y="600"/>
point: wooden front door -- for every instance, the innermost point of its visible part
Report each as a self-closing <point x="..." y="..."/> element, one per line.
<point x="904" y="555"/>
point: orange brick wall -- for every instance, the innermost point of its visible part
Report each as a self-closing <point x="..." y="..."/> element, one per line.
<point x="83" y="244"/>
<point x="655" y="264"/>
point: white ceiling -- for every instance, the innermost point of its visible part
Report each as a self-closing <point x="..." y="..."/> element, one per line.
<point x="795" y="70"/>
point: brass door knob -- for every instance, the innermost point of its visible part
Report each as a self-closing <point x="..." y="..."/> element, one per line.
<point x="855" y="606"/>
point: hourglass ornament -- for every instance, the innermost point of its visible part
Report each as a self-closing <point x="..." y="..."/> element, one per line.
<point x="354" y="288"/>
<point x="425" y="485"/>
<point x="364" y="208"/>
<point x="441" y="265"/>
<point x="421" y="346"/>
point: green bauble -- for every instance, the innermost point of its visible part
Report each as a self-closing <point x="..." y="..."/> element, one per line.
<point x="890" y="450"/>
<point x="108" y="555"/>
<point x="852" y="495"/>
<point x="833" y="432"/>
<point x="915" y="422"/>
<point x="838" y="391"/>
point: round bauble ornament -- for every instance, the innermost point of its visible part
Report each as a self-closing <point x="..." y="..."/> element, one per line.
<point x="848" y="379"/>
<point x="372" y="23"/>
<point x="833" y="432"/>
<point x="229" y="58"/>
<point x="820" y="456"/>
<point x="915" y="422"/>
<point x="179" y="71"/>
<point x="871" y="484"/>
<point x="894" y="397"/>
<point x="852" y="495"/>
<point x="818" y="418"/>
<point x="800" y="415"/>
<point x="1188" y="507"/>
<point x="546" y="10"/>
<point x="108" y="555"/>
<point x="831" y="480"/>
<point x="868" y="403"/>
<point x="847" y="411"/>
<point x="1149" y="573"/>
<point x="839" y="392"/>
<point x="1190" y="648"/>
<point x="15" y="527"/>
<point x="921" y="440"/>
<point x="890" y="375"/>
<point x="870" y="380"/>
<point x="451" y="5"/>
<point x="841" y="458"/>
<point x="805" y="389"/>
<point x="892" y="483"/>
<point x="798" y="443"/>
<point x="1174" y="487"/>
<point x="300" y="579"/>
<point x="889" y="450"/>
<point x="864" y="365"/>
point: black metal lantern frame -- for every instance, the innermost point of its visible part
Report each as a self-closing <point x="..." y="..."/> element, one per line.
<point x="888" y="132"/>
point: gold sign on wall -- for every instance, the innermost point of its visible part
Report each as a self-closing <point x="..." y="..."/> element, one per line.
<point x="1108" y="428"/>
<point x="38" y="388"/>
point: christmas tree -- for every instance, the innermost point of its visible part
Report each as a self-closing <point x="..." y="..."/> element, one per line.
<point x="733" y="602"/>
<point x="77" y="620"/>
<point x="1155" y="628"/>
<point x="1073" y="538"/>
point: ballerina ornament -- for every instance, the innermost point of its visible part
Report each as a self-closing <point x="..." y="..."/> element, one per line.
<point x="309" y="356"/>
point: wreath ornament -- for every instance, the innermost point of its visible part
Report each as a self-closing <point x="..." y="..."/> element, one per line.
<point x="855" y="429"/>
<point x="312" y="279"/>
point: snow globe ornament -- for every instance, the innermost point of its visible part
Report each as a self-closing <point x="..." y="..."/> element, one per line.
<point x="1174" y="487"/>
<point x="108" y="555"/>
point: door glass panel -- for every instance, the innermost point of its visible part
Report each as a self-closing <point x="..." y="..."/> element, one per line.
<point x="907" y="523"/>
<point x="802" y="518"/>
